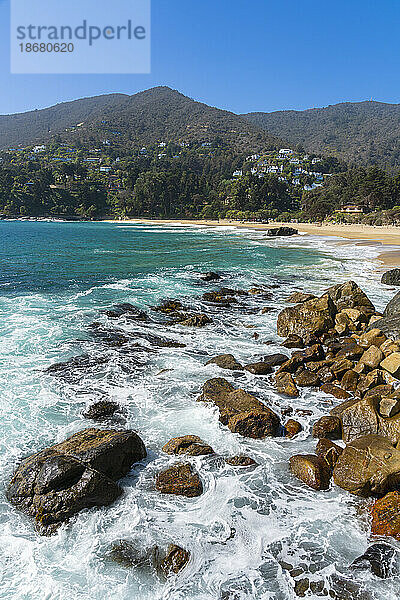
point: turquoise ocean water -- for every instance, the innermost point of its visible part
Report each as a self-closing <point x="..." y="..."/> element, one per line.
<point x="55" y="281"/>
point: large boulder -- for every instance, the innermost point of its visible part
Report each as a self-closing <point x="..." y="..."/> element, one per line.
<point x="240" y="411"/>
<point x="386" y="516"/>
<point x="391" y="277"/>
<point x="350" y="295"/>
<point x="368" y="465"/>
<point x="390" y="326"/>
<point x="79" y="473"/>
<point x="393" y="307"/>
<point x="311" y="470"/>
<point x="359" y="417"/>
<point x="314" y="316"/>
<point x="285" y="231"/>
<point x="380" y="559"/>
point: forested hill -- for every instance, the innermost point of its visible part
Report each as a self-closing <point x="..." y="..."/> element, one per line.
<point x="156" y="114"/>
<point x="360" y="132"/>
<point x="38" y="126"/>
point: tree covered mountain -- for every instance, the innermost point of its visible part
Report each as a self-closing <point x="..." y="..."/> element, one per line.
<point x="144" y="118"/>
<point x="360" y="132"/>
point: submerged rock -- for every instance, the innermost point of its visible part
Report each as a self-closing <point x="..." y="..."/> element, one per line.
<point x="127" y="310"/>
<point x="241" y="461"/>
<point x="175" y="560"/>
<point x="282" y="231"/>
<point x="101" y="411"/>
<point x="78" y="473"/>
<point x="210" y="276"/>
<point x="188" y="444"/>
<point x="180" y="480"/>
<point x="381" y="559"/>
<point x="127" y="554"/>
<point x="196" y="321"/>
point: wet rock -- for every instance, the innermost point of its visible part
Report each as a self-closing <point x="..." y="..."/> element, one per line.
<point x="393" y="307"/>
<point x="391" y="277"/>
<point x="386" y="516"/>
<point x="349" y="295"/>
<point x="328" y="427"/>
<point x="358" y="417"/>
<point x="325" y="374"/>
<point x="378" y="391"/>
<point x="101" y="411"/>
<point x="335" y="390"/>
<point x="392" y="364"/>
<point x="114" y="338"/>
<point x="389" y="406"/>
<point x="373" y="337"/>
<point x="282" y="231"/>
<point x="306" y="378"/>
<point x="79" y="473"/>
<point x="292" y="428"/>
<point x="220" y="297"/>
<point x="241" y="461"/>
<point x="368" y="465"/>
<point x="311" y="317"/>
<point x="188" y="444"/>
<point x="180" y="480"/>
<point x="299" y="297"/>
<point x="286" y="385"/>
<point x="258" y="291"/>
<point x="76" y="364"/>
<point x="328" y="451"/>
<point x="127" y="310"/>
<point x="169" y="306"/>
<point x="240" y="411"/>
<point x="256" y="424"/>
<point x="275" y="360"/>
<point x="378" y="558"/>
<point x="390" y="326"/>
<point x="225" y="361"/>
<point x="176" y="560"/>
<point x="259" y="368"/>
<point x="311" y="470"/>
<point x="267" y="309"/>
<point x="340" y="367"/>
<point x="210" y="276"/>
<point x="127" y="554"/>
<point x="293" y="341"/>
<point x="351" y="352"/>
<point x="196" y="321"/>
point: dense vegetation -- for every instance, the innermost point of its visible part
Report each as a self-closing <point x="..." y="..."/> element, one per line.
<point x="362" y="132"/>
<point x="144" y="118"/>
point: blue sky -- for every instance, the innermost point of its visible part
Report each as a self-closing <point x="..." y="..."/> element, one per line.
<point x="243" y="56"/>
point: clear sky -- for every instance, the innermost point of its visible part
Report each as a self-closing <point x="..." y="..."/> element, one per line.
<point x="243" y="55"/>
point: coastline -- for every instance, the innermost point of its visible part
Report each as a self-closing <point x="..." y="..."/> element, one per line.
<point x="376" y="235"/>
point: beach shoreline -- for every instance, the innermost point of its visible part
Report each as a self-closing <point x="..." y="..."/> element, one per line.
<point x="375" y="235"/>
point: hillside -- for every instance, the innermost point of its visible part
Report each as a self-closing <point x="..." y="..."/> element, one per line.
<point x="361" y="132"/>
<point x="156" y="114"/>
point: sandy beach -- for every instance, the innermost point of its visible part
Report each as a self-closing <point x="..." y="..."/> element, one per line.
<point x="366" y="234"/>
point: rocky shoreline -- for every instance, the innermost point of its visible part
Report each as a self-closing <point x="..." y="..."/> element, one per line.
<point x="340" y="345"/>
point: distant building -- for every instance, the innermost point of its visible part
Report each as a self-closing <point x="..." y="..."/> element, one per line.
<point x="351" y="209"/>
<point x="238" y="173"/>
<point x="39" y="149"/>
<point x="285" y="152"/>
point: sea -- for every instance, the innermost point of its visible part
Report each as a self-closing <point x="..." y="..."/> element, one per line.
<point x="254" y="532"/>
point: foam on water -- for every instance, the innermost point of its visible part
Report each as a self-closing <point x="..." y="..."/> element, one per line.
<point x="247" y="521"/>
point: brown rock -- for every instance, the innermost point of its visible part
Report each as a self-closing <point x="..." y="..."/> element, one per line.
<point x="180" y="480"/>
<point x="225" y="361"/>
<point x="369" y="381"/>
<point x="255" y="424"/>
<point x="373" y="337"/>
<point x="293" y="341"/>
<point x="386" y="516"/>
<point x="328" y="427"/>
<point x="306" y="378"/>
<point x="292" y="428"/>
<point x="335" y="390"/>
<point x="299" y="297"/>
<point x="351" y="351"/>
<point x="368" y="465"/>
<point x="196" y="321"/>
<point x="311" y="317"/>
<point x="275" y="360"/>
<point x="328" y="451"/>
<point x="392" y="364"/>
<point x="311" y="470"/>
<point x="379" y="391"/>
<point x="176" y="559"/>
<point x="267" y="309"/>
<point x="373" y="357"/>
<point x="349" y="381"/>
<point x="349" y="295"/>
<point x="241" y="461"/>
<point x="188" y="444"/>
<point x="389" y="347"/>
<point x="389" y="406"/>
<point x="286" y="385"/>
<point x="358" y="417"/>
<point x="258" y="368"/>
<point x="339" y="367"/>
<point x="325" y="375"/>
